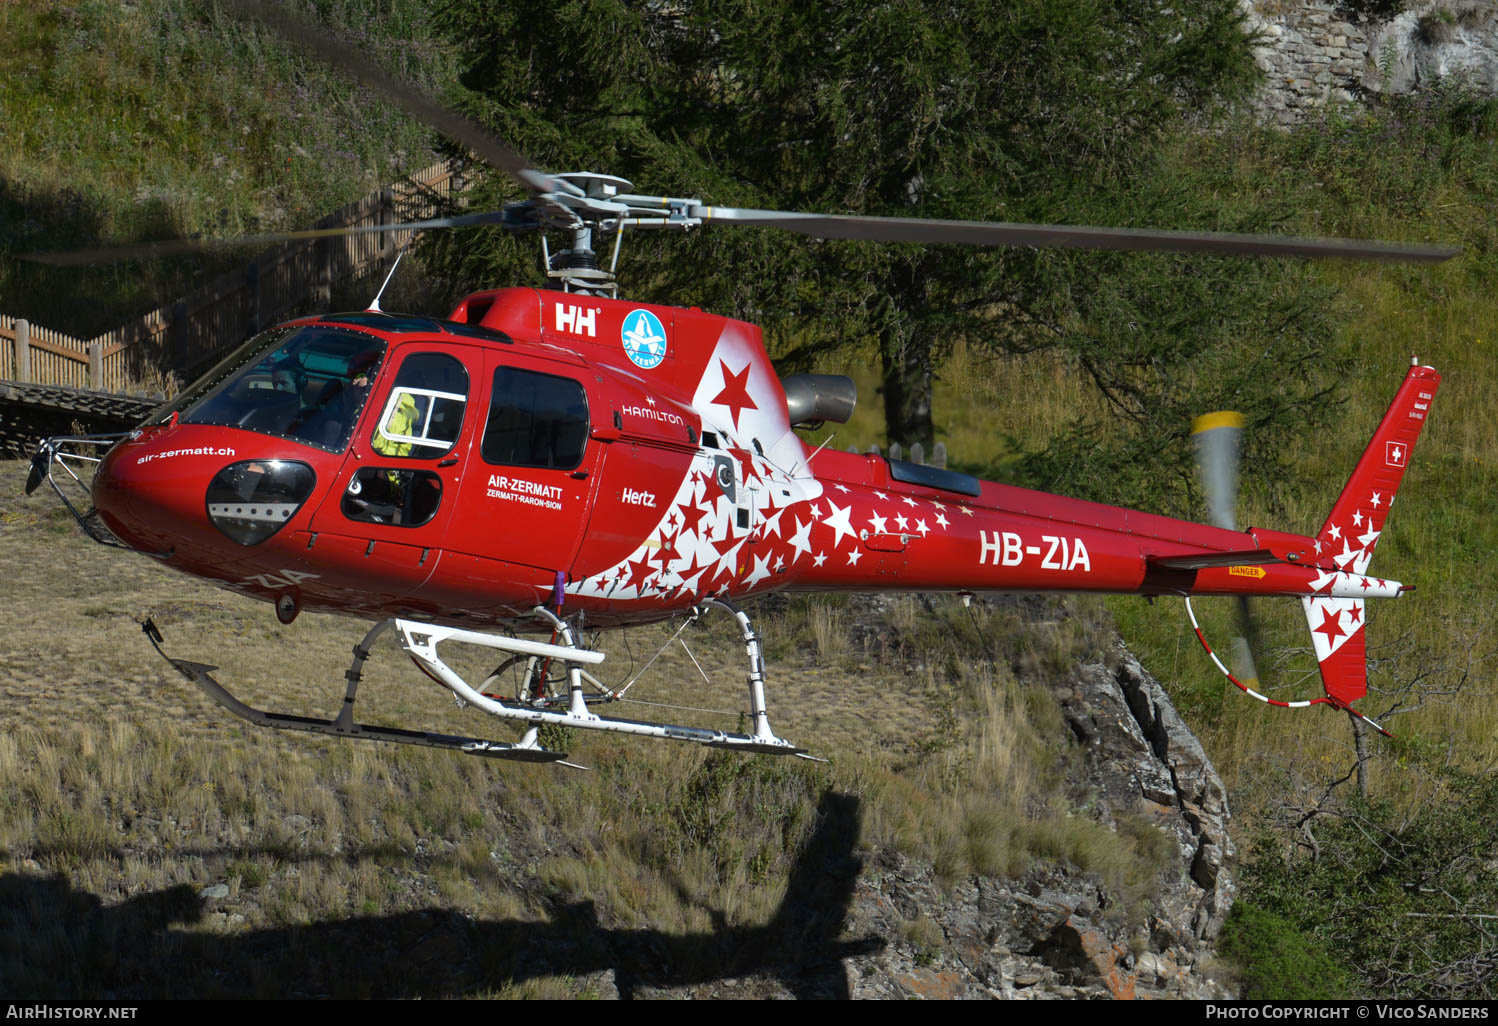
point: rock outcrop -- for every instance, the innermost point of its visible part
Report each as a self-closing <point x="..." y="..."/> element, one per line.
<point x="1056" y="933"/>
<point x="1316" y="54"/>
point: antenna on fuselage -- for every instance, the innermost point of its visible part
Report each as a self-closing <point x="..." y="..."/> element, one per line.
<point x="374" y="304"/>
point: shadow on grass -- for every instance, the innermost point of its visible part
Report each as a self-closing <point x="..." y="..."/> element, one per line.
<point x="58" y="942"/>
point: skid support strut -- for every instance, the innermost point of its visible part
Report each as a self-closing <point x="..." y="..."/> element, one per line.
<point x="760" y="715"/>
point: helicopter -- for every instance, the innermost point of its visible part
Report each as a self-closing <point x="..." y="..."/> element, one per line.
<point x="561" y="459"/>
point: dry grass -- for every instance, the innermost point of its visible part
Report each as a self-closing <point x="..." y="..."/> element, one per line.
<point x="124" y="792"/>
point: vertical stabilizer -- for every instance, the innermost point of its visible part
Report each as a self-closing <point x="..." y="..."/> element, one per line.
<point x="1345" y="543"/>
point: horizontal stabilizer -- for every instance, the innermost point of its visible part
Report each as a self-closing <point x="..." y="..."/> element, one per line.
<point x="1202" y="560"/>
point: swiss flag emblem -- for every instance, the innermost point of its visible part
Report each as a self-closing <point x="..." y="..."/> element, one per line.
<point x="1395" y="453"/>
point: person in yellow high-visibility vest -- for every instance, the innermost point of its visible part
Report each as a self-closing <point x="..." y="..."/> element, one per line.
<point x="402" y="421"/>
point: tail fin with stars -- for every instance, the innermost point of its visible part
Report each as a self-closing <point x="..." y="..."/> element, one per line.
<point x="1345" y="542"/>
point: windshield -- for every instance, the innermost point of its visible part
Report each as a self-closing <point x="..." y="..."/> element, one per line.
<point x="307" y="384"/>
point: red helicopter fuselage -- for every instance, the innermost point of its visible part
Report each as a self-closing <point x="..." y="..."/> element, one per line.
<point x="615" y="459"/>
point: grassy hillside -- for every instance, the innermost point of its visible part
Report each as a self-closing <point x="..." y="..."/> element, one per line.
<point x="170" y="118"/>
<point x="1421" y="169"/>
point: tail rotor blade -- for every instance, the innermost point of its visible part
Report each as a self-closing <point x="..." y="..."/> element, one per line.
<point x="1219" y="439"/>
<point x="1244" y="667"/>
<point x="1219" y="447"/>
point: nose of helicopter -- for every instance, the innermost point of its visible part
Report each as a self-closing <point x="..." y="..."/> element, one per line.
<point x="172" y="495"/>
<point x="151" y="498"/>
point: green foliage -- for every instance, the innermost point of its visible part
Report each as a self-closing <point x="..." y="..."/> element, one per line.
<point x="1276" y="961"/>
<point x="250" y="874"/>
<point x="555" y="738"/>
<point x="1396" y="159"/>
<point x="1404" y="900"/>
<point x="1377" y="10"/>
<point x="726" y="791"/>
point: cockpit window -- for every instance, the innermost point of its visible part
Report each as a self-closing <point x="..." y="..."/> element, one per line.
<point x="308" y="385"/>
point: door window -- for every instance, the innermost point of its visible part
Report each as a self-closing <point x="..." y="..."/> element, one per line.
<point x="424" y="413"/>
<point x="421" y="420"/>
<point x="381" y="495"/>
<point x="535" y="420"/>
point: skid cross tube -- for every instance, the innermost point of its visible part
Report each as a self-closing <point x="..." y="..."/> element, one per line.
<point x="420" y="641"/>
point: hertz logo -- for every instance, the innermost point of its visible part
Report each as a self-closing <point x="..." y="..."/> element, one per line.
<point x="1246" y="571"/>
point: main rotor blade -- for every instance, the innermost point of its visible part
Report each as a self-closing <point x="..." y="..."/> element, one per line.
<point x="341" y="53"/>
<point x="181" y="247"/>
<point x="997" y="233"/>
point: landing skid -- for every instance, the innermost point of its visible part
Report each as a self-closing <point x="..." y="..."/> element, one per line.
<point x="527" y="749"/>
<point x="421" y="640"/>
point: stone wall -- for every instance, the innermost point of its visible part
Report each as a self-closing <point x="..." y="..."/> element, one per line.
<point x="1317" y="53"/>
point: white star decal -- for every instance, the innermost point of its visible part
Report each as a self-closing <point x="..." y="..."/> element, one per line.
<point x="920" y="525"/>
<point x="841" y="488"/>
<point x="1369" y="538"/>
<point x="937" y="504"/>
<point x="818" y="559"/>
<point x="965" y="511"/>
<point x="1376" y="499"/>
<point x="838" y="521"/>
<point x="881" y="495"/>
<point x="690" y="583"/>
<point x="877" y="523"/>
<point x="772" y="525"/>
<point x="854" y="556"/>
<point x="760" y="572"/>
<point x="1336" y="533"/>
<point x="941" y="518"/>
<point x="801" y="540"/>
<point x="1347" y="555"/>
<point x="901" y="522"/>
<point x="1357" y="519"/>
<point x="909" y="501"/>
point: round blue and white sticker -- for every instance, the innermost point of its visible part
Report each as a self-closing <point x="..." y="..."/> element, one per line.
<point x="644" y="338"/>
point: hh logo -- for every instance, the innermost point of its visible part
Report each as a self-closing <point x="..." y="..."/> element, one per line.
<point x="576" y="320"/>
<point x="1395" y="453"/>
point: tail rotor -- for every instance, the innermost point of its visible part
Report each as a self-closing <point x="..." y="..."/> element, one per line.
<point x="1219" y="447"/>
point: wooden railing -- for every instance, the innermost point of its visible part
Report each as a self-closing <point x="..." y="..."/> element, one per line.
<point x="171" y="343"/>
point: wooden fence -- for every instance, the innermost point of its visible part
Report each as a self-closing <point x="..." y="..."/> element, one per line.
<point x="183" y="337"/>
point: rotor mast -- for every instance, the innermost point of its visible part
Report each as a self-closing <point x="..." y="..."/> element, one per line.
<point x="585" y="204"/>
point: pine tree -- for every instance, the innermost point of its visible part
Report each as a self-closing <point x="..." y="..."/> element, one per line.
<point x="1044" y="111"/>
